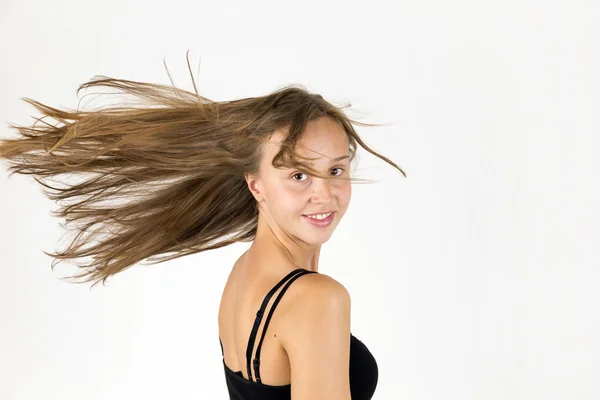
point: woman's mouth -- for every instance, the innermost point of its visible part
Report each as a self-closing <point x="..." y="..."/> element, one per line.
<point x="320" y="220"/>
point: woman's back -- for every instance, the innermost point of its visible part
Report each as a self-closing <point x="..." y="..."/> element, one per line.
<point x="308" y="331"/>
<point x="241" y="299"/>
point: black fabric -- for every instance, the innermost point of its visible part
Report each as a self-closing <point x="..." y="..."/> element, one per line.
<point x="363" y="367"/>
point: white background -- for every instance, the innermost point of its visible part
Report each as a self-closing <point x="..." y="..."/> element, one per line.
<point x="474" y="278"/>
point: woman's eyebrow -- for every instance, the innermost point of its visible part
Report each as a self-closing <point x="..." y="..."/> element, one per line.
<point x="340" y="158"/>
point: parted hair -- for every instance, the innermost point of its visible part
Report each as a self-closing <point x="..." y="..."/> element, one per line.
<point x="161" y="174"/>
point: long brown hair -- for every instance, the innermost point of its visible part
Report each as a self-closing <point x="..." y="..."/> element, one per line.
<point x="164" y="173"/>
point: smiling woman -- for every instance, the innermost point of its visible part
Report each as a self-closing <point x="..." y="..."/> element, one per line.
<point x="173" y="173"/>
<point x="311" y="201"/>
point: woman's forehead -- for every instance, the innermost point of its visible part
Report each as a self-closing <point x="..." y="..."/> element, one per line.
<point x="323" y="139"/>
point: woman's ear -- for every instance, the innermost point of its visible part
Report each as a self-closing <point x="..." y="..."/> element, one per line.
<point x="253" y="186"/>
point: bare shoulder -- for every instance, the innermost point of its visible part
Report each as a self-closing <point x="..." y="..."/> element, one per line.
<point x="316" y="291"/>
<point x="316" y="337"/>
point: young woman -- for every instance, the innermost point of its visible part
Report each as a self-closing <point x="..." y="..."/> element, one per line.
<point x="174" y="173"/>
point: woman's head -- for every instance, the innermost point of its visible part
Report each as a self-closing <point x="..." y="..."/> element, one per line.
<point x="293" y="199"/>
<point x="173" y="173"/>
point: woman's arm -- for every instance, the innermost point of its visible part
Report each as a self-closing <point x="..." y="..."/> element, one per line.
<point x="316" y="337"/>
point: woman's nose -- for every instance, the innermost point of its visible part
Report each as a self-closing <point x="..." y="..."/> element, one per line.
<point x="321" y="189"/>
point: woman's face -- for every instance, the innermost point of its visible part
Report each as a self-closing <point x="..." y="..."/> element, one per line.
<point x="287" y="195"/>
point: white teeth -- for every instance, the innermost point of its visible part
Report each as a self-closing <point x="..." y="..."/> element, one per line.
<point x="319" y="216"/>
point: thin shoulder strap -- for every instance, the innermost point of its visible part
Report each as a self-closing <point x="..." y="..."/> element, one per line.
<point x="295" y="274"/>
<point x="256" y="361"/>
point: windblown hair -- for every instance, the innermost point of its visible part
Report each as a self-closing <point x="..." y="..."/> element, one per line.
<point x="176" y="160"/>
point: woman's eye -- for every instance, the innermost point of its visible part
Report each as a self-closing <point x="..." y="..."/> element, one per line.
<point x="298" y="174"/>
<point x="341" y="171"/>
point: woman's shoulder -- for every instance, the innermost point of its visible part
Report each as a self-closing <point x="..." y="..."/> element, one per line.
<point x="314" y="296"/>
<point x="318" y="286"/>
<point x="311" y="286"/>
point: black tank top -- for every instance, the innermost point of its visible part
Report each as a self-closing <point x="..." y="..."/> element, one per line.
<point x="363" y="367"/>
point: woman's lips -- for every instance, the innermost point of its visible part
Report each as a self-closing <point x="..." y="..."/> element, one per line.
<point x="320" y="223"/>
